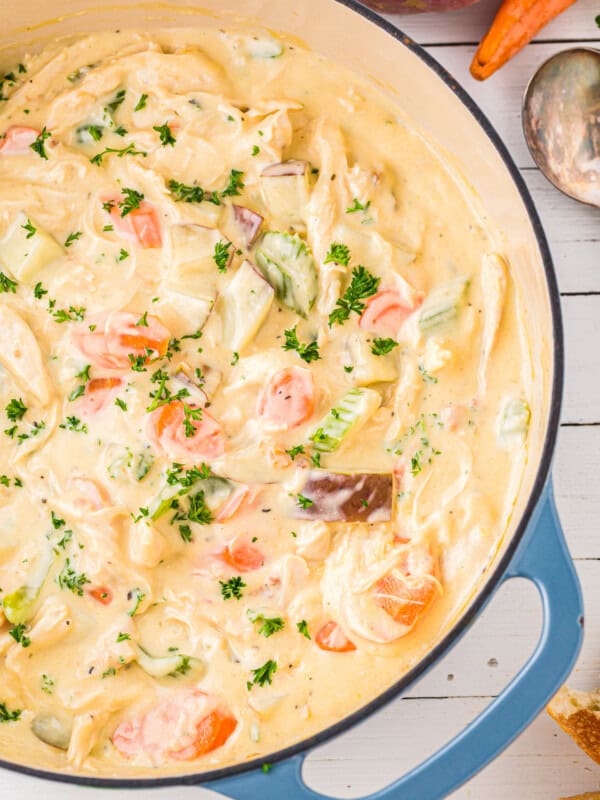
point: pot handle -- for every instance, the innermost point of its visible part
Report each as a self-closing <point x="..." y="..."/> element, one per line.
<point x="543" y="558"/>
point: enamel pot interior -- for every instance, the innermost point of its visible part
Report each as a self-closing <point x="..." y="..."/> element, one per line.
<point x="438" y="108"/>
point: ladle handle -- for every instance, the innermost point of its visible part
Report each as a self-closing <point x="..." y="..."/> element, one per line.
<point x="543" y="558"/>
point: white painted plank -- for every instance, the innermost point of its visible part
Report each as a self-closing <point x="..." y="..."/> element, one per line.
<point x="573" y="231"/>
<point x="582" y="335"/>
<point x="576" y="486"/>
<point x="469" y="24"/>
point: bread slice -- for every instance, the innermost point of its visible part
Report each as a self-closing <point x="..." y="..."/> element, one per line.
<point x="578" y="713"/>
<point x="586" y="796"/>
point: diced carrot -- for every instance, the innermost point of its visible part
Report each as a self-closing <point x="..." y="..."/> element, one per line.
<point x="184" y="728"/>
<point x="117" y="336"/>
<point x="289" y="397"/>
<point x="100" y="593"/>
<point x="384" y="312"/>
<point x="515" y="24"/>
<point x="17" y="140"/>
<point x="140" y="226"/>
<point x="243" y="557"/>
<point x="99" y="394"/>
<point x="333" y="639"/>
<point x="167" y="431"/>
<point x="211" y="733"/>
<point x="406" y="598"/>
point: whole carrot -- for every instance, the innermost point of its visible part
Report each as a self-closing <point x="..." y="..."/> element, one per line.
<point x="515" y="24"/>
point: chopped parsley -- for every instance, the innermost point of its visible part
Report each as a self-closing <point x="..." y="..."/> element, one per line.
<point x="18" y="634"/>
<point x="236" y="182"/>
<point x="358" y="206"/>
<point x="198" y="511"/>
<point x="255" y="150"/>
<point x="123" y="637"/>
<point x="9" y="716"/>
<point x="121" y="404"/>
<point x="268" y="625"/>
<point x="362" y="286"/>
<point x="186" y="533"/>
<point x="38" y="146"/>
<point x="382" y="347"/>
<point x="74" y="424"/>
<point x="120" y="131"/>
<point x="303" y="628"/>
<point x="123" y="254"/>
<point x="30" y="228"/>
<point x="307" y="352"/>
<point x="39" y="291"/>
<point x="57" y="522"/>
<point x="190" y="414"/>
<point x="304" y="502"/>
<point x="235" y="357"/>
<point x="222" y="255"/>
<point x="84" y="376"/>
<point x="119" y="152"/>
<point x="232" y="588"/>
<point x="69" y="579"/>
<point x="116" y="101"/>
<point x="47" y="684"/>
<point x="316" y="459"/>
<point x="192" y="193"/>
<point x="142" y="321"/>
<point x="73" y="314"/>
<point x="141" y="103"/>
<point x="130" y="202"/>
<point x="138" y="595"/>
<point x="338" y="254"/>
<point x="16" y="409"/>
<point x="95" y="131"/>
<point x="266" y="768"/>
<point x="427" y="376"/>
<point x="295" y="451"/>
<point x="183" y="668"/>
<point x="137" y="363"/>
<point x="263" y="674"/>
<point x="415" y="464"/>
<point x="72" y="237"/>
<point x="6" y="284"/>
<point x="166" y="134"/>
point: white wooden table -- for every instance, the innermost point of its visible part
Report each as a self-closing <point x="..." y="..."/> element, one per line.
<point x="543" y="764"/>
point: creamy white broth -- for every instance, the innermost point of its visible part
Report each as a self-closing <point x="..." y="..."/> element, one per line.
<point x="146" y="646"/>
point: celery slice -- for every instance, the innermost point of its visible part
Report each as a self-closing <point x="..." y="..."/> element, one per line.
<point x="19" y="605"/>
<point x="163" y="666"/>
<point x="348" y="416"/>
<point x="514" y="420"/>
<point x="442" y="305"/>
<point x="288" y="265"/>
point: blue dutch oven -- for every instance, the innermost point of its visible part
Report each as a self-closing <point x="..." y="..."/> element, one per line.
<point x="534" y="548"/>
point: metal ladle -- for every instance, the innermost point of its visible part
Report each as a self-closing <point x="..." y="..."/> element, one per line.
<point x="561" y="121"/>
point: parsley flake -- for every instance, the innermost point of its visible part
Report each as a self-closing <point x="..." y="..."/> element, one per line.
<point x="382" y="347"/>
<point x="222" y="256"/>
<point x="6" y="284"/>
<point x="307" y="352"/>
<point x="166" y="134"/>
<point x="263" y="674"/>
<point x="362" y="286"/>
<point x="232" y="588"/>
<point x="338" y="254"/>
<point x="38" y="146"/>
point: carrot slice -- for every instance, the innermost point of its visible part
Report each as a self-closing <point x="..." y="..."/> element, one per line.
<point x="17" y="140"/>
<point x="212" y="732"/>
<point x="100" y="593"/>
<point x="140" y="226"/>
<point x="333" y="639"/>
<point x="243" y="557"/>
<point x="515" y="24"/>
<point x="384" y="313"/>
<point x="167" y="431"/>
<point x="118" y="335"/>
<point x="406" y="599"/>
<point x="289" y="398"/>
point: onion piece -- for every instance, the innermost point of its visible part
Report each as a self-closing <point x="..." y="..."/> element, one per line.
<point x="291" y="167"/>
